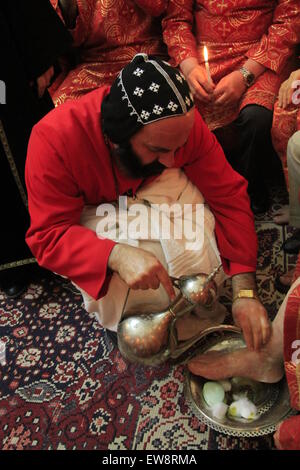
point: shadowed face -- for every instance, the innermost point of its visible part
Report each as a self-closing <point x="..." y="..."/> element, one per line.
<point x="152" y="149"/>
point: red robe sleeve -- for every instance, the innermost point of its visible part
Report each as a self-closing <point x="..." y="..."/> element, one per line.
<point x="225" y="191"/>
<point x="86" y="10"/>
<point x="152" y="7"/>
<point x="289" y="434"/>
<point x="279" y="42"/>
<point x="178" y="30"/>
<point x="55" y="236"/>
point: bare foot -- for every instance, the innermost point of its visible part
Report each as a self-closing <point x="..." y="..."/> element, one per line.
<point x="258" y="366"/>
<point x="282" y="215"/>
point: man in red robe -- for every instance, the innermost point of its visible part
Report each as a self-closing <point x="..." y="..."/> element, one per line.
<point x="251" y="46"/>
<point x="106" y="36"/>
<point x="111" y="142"/>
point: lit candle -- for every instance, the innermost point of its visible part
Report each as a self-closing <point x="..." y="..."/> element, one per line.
<point x="205" y="53"/>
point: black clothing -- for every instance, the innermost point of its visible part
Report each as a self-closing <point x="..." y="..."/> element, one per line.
<point x="32" y="38"/>
<point x="248" y="148"/>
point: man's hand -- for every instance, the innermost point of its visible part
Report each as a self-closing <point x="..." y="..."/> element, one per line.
<point x="201" y="87"/>
<point x="140" y="269"/>
<point x="230" y="89"/>
<point x="248" y="313"/>
<point x="197" y="79"/>
<point x="251" y="316"/>
<point x="286" y="90"/>
<point x="44" y="81"/>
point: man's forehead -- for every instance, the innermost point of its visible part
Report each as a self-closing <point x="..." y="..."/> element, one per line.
<point x="168" y="129"/>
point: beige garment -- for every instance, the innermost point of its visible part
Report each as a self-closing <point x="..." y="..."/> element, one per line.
<point x="293" y="161"/>
<point x="171" y="187"/>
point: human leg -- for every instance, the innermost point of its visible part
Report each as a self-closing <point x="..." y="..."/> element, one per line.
<point x="293" y="161"/>
<point x="284" y="125"/>
<point x="255" y="149"/>
<point x="292" y="244"/>
<point x="265" y="365"/>
<point x="287" y="436"/>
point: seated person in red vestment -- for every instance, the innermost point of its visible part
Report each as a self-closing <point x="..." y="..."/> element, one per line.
<point x="107" y="34"/>
<point x="250" y="46"/>
<point x="292" y="244"/>
<point x="126" y="140"/>
<point x="286" y="123"/>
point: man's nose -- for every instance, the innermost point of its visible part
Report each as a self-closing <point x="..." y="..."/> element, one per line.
<point x="167" y="159"/>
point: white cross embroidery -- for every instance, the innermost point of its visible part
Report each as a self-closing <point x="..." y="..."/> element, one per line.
<point x="187" y="100"/>
<point x="145" y="115"/>
<point x="157" y="109"/>
<point x="138" y="91"/>
<point x="172" y="106"/>
<point x="154" y="87"/>
<point x="138" y="72"/>
<point x="179" y="78"/>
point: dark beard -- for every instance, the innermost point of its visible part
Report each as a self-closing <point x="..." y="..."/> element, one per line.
<point x="129" y="161"/>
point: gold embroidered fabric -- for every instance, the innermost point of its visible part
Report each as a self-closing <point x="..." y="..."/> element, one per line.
<point x="285" y="123"/>
<point x="291" y="335"/>
<point x="234" y="30"/>
<point x="108" y="34"/>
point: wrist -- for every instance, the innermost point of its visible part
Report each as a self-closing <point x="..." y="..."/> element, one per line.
<point x="187" y="65"/>
<point x="243" y="281"/>
<point x="247" y="76"/>
<point x="254" y="67"/>
<point x="114" y="257"/>
<point x="246" y="294"/>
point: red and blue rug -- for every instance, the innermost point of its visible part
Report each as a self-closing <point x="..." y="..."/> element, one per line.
<point x="65" y="386"/>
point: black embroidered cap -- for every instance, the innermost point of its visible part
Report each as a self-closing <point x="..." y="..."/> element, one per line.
<point x="146" y="90"/>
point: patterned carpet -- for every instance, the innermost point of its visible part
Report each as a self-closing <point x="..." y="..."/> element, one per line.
<point x="66" y="387"/>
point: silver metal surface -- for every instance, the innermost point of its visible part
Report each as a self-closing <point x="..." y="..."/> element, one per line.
<point x="199" y="289"/>
<point x="272" y="400"/>
<point x="150" y="338"/>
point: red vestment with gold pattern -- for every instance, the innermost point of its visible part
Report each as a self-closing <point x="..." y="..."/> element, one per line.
<point x="289" y="432"/>
<point x="108" y="33"/>
<point x="69" y="166"/>
<point x="235" y="30"/>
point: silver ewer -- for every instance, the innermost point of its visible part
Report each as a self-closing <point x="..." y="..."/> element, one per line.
<point x="151" y="338"/>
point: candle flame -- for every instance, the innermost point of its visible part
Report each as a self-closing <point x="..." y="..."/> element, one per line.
<point x="205" y="52"/>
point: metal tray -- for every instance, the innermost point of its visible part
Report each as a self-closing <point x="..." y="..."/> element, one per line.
<point x="272" y="400"/>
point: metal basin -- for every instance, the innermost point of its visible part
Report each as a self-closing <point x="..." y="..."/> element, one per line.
<point x="272" y="400"/>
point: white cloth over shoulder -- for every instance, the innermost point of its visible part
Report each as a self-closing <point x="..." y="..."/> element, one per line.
<point x="169" y="218"/>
